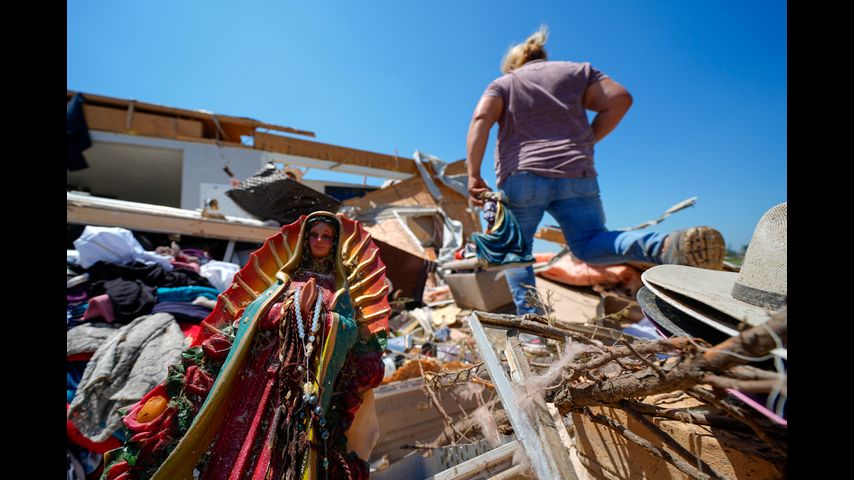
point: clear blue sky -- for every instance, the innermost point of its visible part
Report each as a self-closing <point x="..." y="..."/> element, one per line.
<point x="708" y="80"/>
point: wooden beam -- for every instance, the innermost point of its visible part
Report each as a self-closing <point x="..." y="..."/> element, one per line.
<point x="456" y="168"/>
<point x="333" y="153"/>
<point x="551" y="234"/>
<point x="524" y="429"/>
<point x="86" y="210"/>
<point x="145" y="124"/>
<point x="542" y="419"/>
<point x="226" y="121"/>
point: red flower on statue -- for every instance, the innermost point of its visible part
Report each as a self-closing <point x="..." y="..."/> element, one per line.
<point x="151" y="421"/>
<point x="370" y="370"/>
<point x="216" y="347"/>
<point x="118" y="471"/>
<point x="197" y="381"/>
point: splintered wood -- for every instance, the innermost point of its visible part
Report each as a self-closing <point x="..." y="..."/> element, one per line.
<point x="613" y="389"/>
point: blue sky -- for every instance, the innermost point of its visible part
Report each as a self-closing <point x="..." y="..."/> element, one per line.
<point x="708" y="81"/>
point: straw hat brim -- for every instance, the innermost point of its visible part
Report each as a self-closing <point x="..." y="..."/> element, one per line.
<point x="675" y="321"/>
<point x="710" y="316"/>
<point x="709" y="287"/>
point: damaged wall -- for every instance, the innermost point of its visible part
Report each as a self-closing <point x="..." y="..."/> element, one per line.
<point x="203" y="175"/>
<point x="413" y="193"/>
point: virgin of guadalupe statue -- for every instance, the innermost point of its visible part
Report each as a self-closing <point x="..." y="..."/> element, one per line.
<point x="279" y="385"/>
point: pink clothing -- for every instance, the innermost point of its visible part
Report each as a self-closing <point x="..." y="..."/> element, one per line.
<point x="188" y="265"/>
<point x="100" y="307"/>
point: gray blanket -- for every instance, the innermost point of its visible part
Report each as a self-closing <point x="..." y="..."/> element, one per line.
<point x="126" y="366"/>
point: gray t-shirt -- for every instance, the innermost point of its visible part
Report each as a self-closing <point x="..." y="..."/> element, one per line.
<point x="544" y="127"/>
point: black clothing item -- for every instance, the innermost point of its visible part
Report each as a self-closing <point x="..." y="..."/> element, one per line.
<point x="151" y="275"/>
<point x="77" y="135"/>
<point x="131" y="299"/>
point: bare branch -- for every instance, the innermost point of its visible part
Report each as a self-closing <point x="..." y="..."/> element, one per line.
<point x="737" y="413"/>
<point x="753" y="342"/>
<point x="440" y="408"/>
<point x="747" y="386"/>
<point x="467" y="425"/>
<point x="747" y="372"/>
<point x="689" y="370"/>
<point x="691" y="415"/>
<point x="538" y="325"/>
<point x="645" y="360"/>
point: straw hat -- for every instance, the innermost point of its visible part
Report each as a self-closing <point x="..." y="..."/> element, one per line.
<point x="723" y="299"/>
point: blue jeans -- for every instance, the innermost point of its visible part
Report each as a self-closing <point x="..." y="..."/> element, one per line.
<point x="575" y="204"/>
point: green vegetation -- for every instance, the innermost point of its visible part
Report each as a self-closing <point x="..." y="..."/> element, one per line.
<point x="735" y="257"/>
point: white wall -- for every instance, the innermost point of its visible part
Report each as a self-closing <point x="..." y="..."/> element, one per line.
<point x="203" y="164"/>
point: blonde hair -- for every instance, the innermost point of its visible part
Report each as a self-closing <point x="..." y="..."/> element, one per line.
<point x="530" y="49"/>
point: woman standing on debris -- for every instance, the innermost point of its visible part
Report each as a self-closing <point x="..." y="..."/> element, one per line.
<point x="282" y="388"/>
<point x="544" y="162"/>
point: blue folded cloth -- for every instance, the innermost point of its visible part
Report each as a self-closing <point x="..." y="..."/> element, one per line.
<point x="185" y="294"/>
